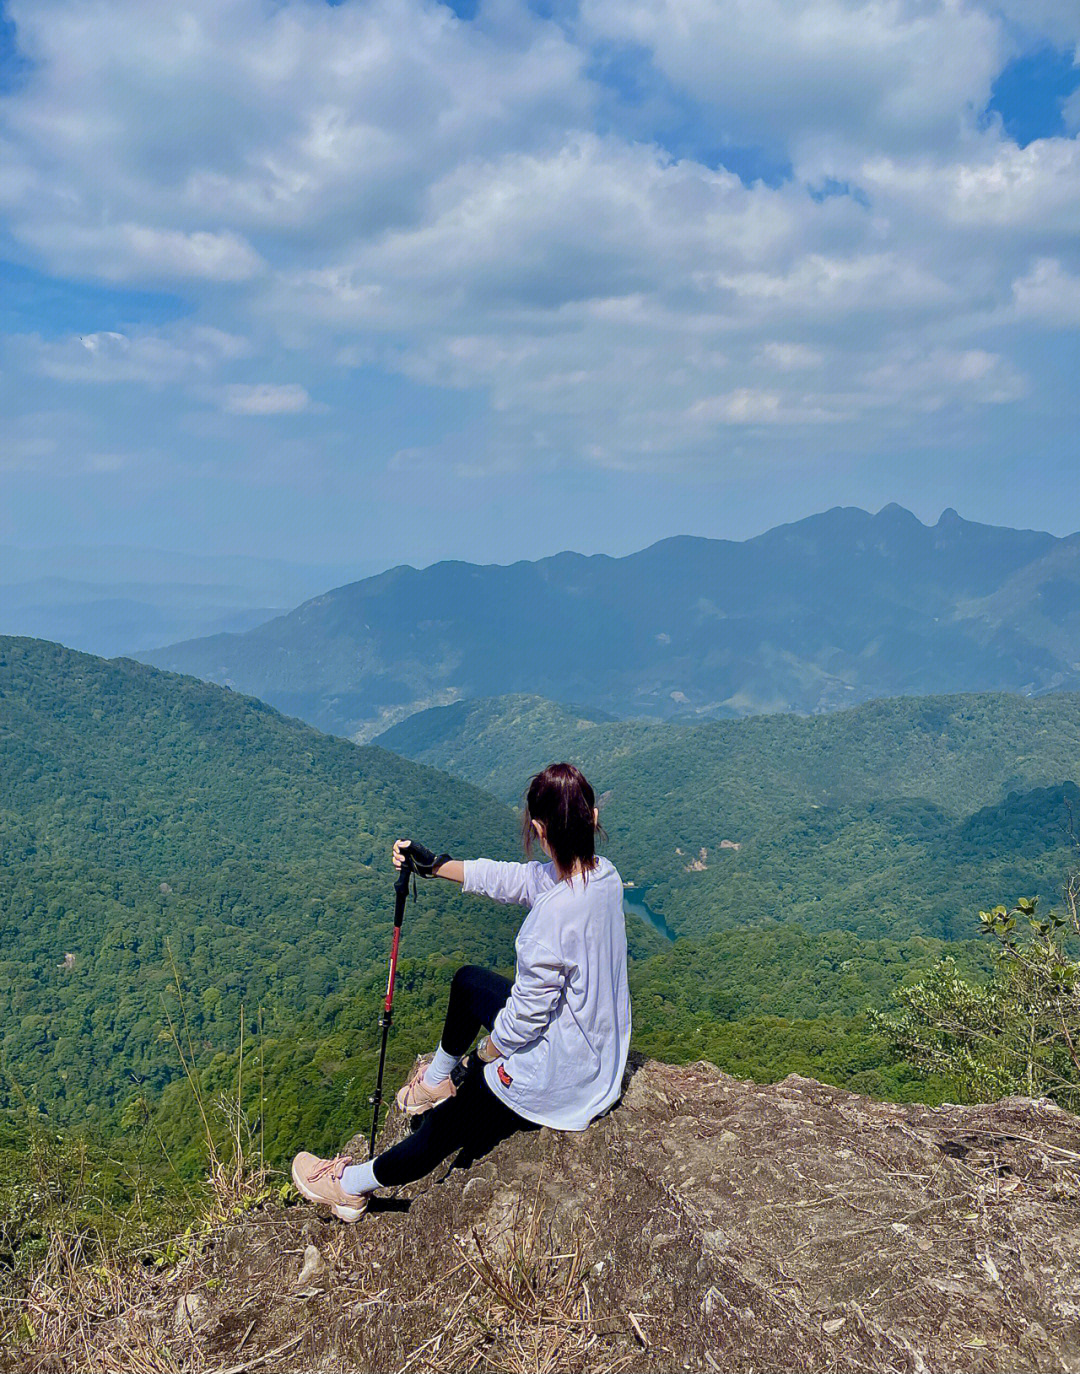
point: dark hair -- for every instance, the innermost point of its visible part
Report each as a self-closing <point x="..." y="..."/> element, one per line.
<point x="560" y="798"/>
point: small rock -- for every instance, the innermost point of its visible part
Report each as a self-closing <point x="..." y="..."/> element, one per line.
<point x="358" y="1149"/>
<point x="191" y="1309"/>
<point x="314" y="1274"/>
<point x="1034" y="1341"/>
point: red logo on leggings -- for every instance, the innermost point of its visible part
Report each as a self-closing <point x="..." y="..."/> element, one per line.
<point x="504" y="1077"/>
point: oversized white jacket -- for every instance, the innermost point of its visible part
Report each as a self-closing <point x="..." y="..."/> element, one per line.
<point x="565" y="1030"/>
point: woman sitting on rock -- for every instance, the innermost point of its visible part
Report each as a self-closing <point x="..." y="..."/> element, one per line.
<point x="558" y="1035"/>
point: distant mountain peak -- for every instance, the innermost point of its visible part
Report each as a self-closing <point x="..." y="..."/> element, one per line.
<point x="897" y="513"/>
<point x="839" y="607"/>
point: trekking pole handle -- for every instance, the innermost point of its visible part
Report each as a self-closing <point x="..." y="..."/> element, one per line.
<point x="401" y="889"/>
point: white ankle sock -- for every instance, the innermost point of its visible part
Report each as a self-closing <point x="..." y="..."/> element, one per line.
<point x="440" y="1068"/>
<point x="359" y="1178"/>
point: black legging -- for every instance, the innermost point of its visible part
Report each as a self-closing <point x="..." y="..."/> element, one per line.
<point x="474" y="1120"/>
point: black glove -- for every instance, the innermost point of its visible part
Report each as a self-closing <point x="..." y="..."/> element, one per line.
<point x="421" y="860"/>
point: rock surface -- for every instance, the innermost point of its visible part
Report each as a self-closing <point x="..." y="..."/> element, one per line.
<point x="705" y="1224"/>
<point x="314" y="1273"/>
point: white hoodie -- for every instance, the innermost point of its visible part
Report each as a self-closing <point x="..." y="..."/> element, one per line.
<point x="565" y="1030"/>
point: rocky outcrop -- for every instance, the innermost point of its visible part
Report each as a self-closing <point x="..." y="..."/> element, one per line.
<point x="706" y="1224"/>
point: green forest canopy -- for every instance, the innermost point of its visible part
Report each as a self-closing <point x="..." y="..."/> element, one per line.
<point x="902" y="816"/>
<point x="138" y="807"/>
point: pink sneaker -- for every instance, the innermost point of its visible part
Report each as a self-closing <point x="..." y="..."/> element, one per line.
<point x="319" y="1180"/>
<point x="418" y="1070"/>
<point x="417" y="1096"/>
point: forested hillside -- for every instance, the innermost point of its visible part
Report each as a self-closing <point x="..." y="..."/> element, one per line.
<point x="143" y="813"/>
<point x="838" y="608"/>
<point x="760" y="1003"/>
<point x="138" y="808"/>
<point x="898" y="817"/>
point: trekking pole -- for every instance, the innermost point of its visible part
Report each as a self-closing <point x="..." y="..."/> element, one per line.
<point x="401" y="890"/>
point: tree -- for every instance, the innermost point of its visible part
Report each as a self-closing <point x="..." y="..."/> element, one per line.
<point x="1018" y="1033"/>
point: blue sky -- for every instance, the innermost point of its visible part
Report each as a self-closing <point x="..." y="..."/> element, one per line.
<point x="395" y="281"/>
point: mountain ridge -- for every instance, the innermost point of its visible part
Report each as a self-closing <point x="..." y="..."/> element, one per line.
<point x="839" y="607"/>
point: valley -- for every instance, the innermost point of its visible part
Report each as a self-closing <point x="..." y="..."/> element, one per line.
<point x="201" y="858"/>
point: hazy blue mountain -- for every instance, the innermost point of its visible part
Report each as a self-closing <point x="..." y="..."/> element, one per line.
<point x="124" y="619"/>
<point x="837" y="608"/>
<point x="111" y="601"/>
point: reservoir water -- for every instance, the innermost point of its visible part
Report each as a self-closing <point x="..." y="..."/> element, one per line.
<point x="634" y="904"/>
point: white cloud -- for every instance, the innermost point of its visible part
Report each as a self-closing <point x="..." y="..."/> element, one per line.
<point x="1043" y="21"/>
<point x="790" y="357"/>
<point x="265" y="398"/>
<point x="1070" y="112"/>
<point x="739" y="407"/>
<point x="819" y="76"/>
<point x="594" y="220"/>
<point x="153" y="358"/>
<point x="931" y="381"/>
<point x="384" y="186"/>
<point x="998" y="186"/>
<point x="215" y="119"/>
<point x="1048" y="293"/>
<point x="127" y="252"/>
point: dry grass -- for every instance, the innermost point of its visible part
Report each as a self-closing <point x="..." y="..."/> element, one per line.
<point x="527" y="1310"/>
<point x="708" y="1224"/>
<point x="93" y="1305"/>
<point x="76" y="1315"/>
<point x="236" y="1175"/>
<point x="517" y="1303"/>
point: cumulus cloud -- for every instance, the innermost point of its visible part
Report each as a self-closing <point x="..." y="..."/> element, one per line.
<point x="265" y="398"/>
<point x="930" y="381"/>
<point x="1044" y="21"/>
<point x="471" y="206"/>
<point x="790" y="357"/>
<point x="145" y="356"/>
<point x="215" y="119"/>
<point x="1049" y="294"/>
<point x="817" y="78"/>
<point x="139" y="252"/>
<point x="996" y="187"/>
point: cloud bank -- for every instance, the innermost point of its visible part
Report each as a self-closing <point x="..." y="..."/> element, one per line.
<point x="547" y="222"/>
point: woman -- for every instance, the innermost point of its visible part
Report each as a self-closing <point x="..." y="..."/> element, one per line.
<point x="558" y="1035"/>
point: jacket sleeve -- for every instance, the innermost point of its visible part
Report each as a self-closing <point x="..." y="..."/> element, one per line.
<point x="538" y="985"/>
<point x="503" y="882"/>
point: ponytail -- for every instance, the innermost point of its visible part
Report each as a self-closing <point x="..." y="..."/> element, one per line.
<point x="560" y="798"/>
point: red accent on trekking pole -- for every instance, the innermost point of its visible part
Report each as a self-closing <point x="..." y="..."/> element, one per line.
<point x="393" y="968"/>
